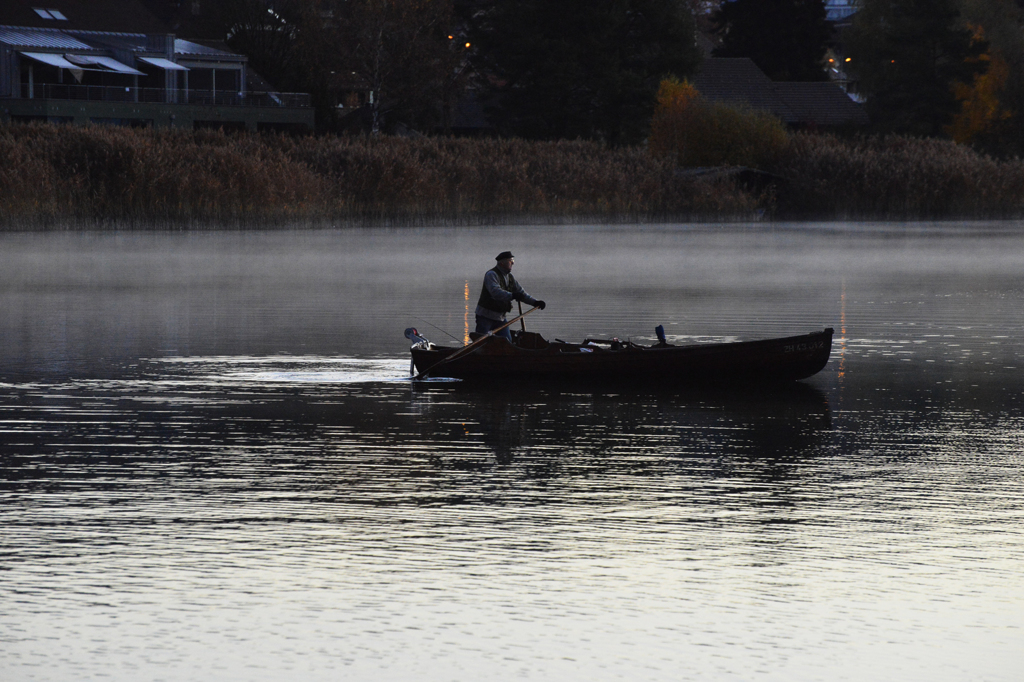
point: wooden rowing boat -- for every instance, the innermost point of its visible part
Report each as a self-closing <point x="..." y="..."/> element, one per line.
<point x="530" y="356"/>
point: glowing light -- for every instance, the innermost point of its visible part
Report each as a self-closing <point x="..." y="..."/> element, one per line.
<point x="465" y="335"/>
<point x="467" y="45"/>
<point x="842" y="340"/>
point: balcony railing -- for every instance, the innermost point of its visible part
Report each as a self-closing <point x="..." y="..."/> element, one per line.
<point x="110" y="93"/>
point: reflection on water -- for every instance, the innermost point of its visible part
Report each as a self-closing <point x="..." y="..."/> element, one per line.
<point x="204" y="476"/>
<point x="779" y="422"/>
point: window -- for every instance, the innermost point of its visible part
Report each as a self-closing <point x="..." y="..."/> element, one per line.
<point x="50" y="14"/>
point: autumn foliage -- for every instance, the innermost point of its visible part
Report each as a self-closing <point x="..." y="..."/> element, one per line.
<point x="980" y="107"/>
<point x="698" y="132"/>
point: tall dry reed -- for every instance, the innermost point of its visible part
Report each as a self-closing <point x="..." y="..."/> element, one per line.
<point x="896" y="178"/>
<point x="65" y="176"/>
<point x="62" y="177"/>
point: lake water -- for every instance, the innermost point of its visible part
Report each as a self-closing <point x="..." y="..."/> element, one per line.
<point x="213" y="465"/>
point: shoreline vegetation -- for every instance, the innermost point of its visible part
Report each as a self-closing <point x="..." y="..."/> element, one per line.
<point x="62" y="177"/>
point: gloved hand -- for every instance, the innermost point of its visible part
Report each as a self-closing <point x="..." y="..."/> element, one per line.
<point x="542" y="305"/>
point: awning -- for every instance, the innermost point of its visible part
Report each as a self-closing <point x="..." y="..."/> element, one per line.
<point x="104" y="64"/>
<point x="161" y="63"/>
<point x="52" y="60"/>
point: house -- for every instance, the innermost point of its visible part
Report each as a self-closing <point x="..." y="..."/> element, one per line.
<point x="841" y="14"/>
<point x="738" y="82"/>
<point x="839" y="11"/>
<point x="112" y="61"/>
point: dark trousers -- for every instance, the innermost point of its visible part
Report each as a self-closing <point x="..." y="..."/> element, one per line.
<point x="486" y="324"/>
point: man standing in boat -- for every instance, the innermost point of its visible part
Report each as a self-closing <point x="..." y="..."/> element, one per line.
<point x="500" y="289"/>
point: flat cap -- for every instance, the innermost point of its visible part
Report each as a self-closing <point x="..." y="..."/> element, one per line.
<point x="504" y="255"/>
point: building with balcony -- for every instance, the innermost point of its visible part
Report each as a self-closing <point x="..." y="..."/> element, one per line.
<point x="80" y="62"/>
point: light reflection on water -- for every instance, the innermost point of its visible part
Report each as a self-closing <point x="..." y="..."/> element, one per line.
<point x="261" y="493"/>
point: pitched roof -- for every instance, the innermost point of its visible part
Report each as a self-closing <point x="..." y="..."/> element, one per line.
<point x="821" y="104"/>
<point x="738" y="81"/>
<point x="81" y="15"/>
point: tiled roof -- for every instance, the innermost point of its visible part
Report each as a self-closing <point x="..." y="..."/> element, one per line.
<point x="738" y="81"/>
<point x="822" y="104"/>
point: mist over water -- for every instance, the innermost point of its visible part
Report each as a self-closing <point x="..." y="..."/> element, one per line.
<point x="213" y="464"/>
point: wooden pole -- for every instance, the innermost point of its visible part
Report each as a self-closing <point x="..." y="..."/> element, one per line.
<point x="465" y="349"/>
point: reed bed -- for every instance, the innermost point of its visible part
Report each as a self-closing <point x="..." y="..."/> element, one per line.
<point x="64" y="177"/>
<point x="895" y="178"/>
<point x="67" y="177"/>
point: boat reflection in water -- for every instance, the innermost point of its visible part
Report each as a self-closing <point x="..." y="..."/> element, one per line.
<point x="566" y="427"/>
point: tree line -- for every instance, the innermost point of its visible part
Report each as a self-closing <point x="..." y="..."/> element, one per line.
<point x="925" y="68"/>
<point x="544" y="70"/>
<point x="590" y="69"/>
<point x="943" y="68"/>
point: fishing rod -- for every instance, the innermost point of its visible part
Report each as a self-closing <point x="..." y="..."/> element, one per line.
<point x="476" y="344"/>
<point x="438" y="329"/>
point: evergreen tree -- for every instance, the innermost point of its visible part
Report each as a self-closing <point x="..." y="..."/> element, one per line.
<point x="1002" y="23"/>
<point x="787" y="39"/>
<point x="581" y="68"/>
<point x="908" y="55"/>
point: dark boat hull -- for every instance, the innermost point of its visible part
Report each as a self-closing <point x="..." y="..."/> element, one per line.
<point x="768" y="361"/>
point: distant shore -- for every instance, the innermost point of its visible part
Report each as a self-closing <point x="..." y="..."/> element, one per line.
<point x="68" y="178"/>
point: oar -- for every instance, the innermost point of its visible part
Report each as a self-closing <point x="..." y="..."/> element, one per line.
<point x="522" y="322"/>
<point x="465" y="349"/>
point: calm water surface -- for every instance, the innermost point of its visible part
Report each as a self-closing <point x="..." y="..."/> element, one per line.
<point x="213" y="465"/>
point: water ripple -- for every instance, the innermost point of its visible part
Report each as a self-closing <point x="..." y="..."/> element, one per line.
<point x="181" y="499"/>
